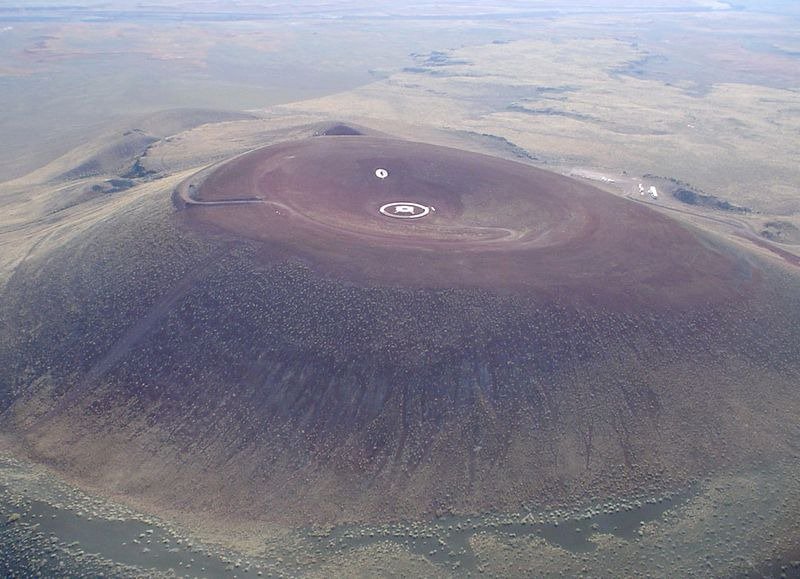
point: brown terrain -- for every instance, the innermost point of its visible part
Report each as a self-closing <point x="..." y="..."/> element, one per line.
<point x="220" y="343"/>
<point x="269" y="347"/>
<point x="495" y="224"/>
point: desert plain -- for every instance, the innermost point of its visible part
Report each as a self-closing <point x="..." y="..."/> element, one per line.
<point x="220" y="357"/>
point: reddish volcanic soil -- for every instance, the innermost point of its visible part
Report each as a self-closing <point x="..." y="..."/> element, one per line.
<point x="493" y="224"/>
<point x="279" y="350"/>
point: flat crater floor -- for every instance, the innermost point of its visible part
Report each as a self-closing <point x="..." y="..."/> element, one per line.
<point x="389" y="211"/>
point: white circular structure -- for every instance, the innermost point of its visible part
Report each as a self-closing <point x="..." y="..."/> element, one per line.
<point x="405" y="210"/>
<point x="381" y="173"/>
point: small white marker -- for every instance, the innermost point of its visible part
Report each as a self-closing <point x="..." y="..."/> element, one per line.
<point x="405" y="210"/>
<point x="381" y="173"/>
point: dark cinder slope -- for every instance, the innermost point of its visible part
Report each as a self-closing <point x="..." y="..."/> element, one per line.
<point x="302" y="358"/>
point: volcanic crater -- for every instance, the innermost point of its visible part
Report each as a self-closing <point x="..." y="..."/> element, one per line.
<point x="492" y="223"/>
<point x="262" y="343"/>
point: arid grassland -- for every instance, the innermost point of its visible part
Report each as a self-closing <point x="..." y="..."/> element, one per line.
<point x="218" y="358"/>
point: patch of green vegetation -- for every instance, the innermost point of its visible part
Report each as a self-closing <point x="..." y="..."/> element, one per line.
<point x="687" y="193"/>
<point x="694" y="198"/>
<point x="518" y="108"/>
<point x="505" y="144"/>
<point x="138" y="171"/>
<point x="781" y="231"/>
<point x="112" y="186"/>
<point x="119" y="185"/>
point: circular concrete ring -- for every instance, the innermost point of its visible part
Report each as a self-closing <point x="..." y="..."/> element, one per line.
<point x="405" y="210"/>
